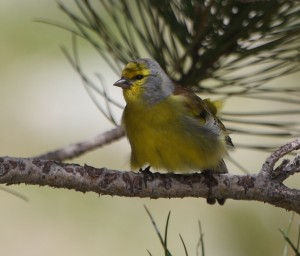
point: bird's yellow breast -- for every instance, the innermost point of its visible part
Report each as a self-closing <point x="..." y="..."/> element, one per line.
<point x="161" y="138"/>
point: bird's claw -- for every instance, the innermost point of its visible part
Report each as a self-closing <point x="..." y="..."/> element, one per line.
<point x="147" y="174"/>
<point x="146" y="170"/>
<point x="210" y="181"/>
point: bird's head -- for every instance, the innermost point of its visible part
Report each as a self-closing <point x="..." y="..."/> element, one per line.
<point x="144" y="80"/>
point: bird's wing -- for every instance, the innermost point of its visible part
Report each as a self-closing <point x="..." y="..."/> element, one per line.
<point x="203" y="110"/>
<point x="196" y="107"/>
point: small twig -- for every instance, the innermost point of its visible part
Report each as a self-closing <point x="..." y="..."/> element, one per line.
<point x="80" y="148"/>
<point x="286" y="169"/>
<point x="269" y="164"/>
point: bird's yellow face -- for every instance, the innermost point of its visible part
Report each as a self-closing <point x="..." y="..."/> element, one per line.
<point x="134" y="76"/>
<point x="144" y="83"/>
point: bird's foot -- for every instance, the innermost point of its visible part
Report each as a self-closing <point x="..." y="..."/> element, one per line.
<point x="147" y="174"/>
<point x="146" y="170"/>
<point x="210" y="181"/>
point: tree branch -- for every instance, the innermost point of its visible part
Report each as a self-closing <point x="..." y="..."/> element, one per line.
<point x="82" y="147"/>
<point x="263" y="187"/>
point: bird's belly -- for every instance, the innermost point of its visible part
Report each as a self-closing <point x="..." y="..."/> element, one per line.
<point x="166" y="137"/>
<point x="172" y="147"/>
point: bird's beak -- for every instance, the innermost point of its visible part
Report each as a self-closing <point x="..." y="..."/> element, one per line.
<point x="123" y="83"/>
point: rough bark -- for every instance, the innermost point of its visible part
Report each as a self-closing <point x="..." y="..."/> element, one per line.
<point x="266" y="186"/>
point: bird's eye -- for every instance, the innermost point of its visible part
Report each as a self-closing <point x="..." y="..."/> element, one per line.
<point x="139" y="77"/>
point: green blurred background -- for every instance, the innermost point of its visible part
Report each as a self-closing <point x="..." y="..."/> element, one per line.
<point x="43" y="106"/>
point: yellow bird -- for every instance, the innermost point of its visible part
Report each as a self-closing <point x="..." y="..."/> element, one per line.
<point x="168" y="126"/>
